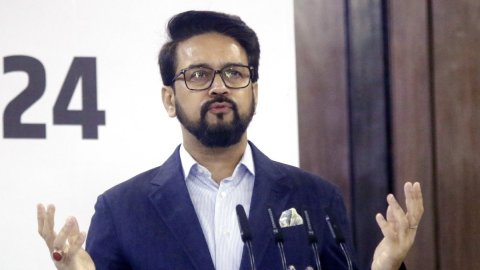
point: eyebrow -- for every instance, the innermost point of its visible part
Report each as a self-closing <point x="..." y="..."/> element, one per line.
<point x="209" y="66"/>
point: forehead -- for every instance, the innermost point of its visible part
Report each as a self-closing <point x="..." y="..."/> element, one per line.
<point x="212" y="49"/>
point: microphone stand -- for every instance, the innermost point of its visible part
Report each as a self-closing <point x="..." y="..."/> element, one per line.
<point x="312" y="239"/>
<point x="339" y="238"/>
<point x="278" y="238"/>
<point x="245" y="233"/>
<point x="250" y="254"/>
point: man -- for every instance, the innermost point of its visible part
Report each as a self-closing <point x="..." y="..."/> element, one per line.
<point x="181" y="215"/>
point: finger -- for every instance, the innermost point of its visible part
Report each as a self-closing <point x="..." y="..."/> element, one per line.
<point x="396" y="208"/>
<point x="410" y="195"/>
<point x="417" y="191"/>
<point x="48" y="226"/>
<point x="75" y="238"/>
<point x="414" y="202"/>
<point x="40" y="218"/>
<point x="76" y="243"/>
<point x="384" y="226"/>
<point x="389" y="214"/>
<point x="74" y="232"/>
<point x="63" y="234"/>
<point x="74" y="228"/>
<point x="410" y="202"/>
<point x="397" y="213"/>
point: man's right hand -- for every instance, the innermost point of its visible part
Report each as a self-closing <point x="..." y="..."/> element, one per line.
<point x="68" y="241"/>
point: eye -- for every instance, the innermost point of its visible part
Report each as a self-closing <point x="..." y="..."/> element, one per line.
<point x="198" y="74"/>
<point x="233" y="73"/>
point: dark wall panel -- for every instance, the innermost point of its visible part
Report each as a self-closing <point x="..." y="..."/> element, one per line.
<point x="457" y="120"/>
<point x="412" y="117"/>
<point x="369" y="121"/>
<point x="322" y="93"/>
<point x="343" y="118"/>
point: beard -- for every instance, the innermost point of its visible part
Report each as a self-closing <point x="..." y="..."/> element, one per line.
<point x="217" y="135"/>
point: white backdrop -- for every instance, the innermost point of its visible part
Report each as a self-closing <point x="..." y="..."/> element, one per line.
<point x="124" y="37"/>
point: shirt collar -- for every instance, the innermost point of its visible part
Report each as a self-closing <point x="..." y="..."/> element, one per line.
<point x="188" y="162"/>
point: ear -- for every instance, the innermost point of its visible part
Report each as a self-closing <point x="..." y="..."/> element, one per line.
<point x="255" y="94"/>
<point x="168" y="98"/>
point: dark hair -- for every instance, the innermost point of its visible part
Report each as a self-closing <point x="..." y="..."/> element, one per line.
<point x="191" y="23"/>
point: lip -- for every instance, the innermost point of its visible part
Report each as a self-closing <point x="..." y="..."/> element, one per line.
<point x="220" y="107"/>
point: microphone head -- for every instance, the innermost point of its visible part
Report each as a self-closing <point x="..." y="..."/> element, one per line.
<point x="245" y="232"/>
<point x="334" y="229"/>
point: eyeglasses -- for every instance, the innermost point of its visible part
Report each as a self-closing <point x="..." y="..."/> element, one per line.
<point x="201" y="78"/>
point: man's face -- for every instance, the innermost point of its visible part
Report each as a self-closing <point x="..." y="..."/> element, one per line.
<point x="217" y="116"/>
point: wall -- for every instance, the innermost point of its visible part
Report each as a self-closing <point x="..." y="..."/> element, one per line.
<point x="396" y="83"/>
<point x="127" y="130"/>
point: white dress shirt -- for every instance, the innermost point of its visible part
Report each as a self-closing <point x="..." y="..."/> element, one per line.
<point x="215" y="206"/>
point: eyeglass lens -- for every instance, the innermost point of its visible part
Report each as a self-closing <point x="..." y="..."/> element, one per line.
<point x="200" y="78"/>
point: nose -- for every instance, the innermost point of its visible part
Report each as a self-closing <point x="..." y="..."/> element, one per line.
<point x="218" y="86"/>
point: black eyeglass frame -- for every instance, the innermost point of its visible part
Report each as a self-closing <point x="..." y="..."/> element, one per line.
<point x="216" y="71"/>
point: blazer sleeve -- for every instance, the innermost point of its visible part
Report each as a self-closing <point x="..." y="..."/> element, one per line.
<point x="103" y="242"/>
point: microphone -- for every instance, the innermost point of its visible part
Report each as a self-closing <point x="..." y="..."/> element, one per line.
<point x="338" y="236"/>
<point x="312" y="239"/>
<point x="245" y="233"/>
<point x="278" y="236"/>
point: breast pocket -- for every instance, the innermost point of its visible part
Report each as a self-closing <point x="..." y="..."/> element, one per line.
<point x="297" y="249"/>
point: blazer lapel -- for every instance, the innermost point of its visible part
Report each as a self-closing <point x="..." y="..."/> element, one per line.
<point x="171" y="199"/>
<point x="271" y="189"/>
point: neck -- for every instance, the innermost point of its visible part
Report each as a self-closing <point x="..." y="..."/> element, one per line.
<point x="220" y="161"/>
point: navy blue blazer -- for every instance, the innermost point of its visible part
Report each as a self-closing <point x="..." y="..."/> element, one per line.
<point x="149" y="221"/>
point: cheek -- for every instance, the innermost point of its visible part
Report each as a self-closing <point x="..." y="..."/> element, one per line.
<point x="190" y="106"/>
<point x="247" y="101"/>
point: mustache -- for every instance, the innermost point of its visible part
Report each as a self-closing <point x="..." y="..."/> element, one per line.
<point x="206" y="105"/>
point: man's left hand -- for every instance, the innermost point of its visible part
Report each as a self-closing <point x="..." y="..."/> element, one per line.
<point x="399" y="229"/>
